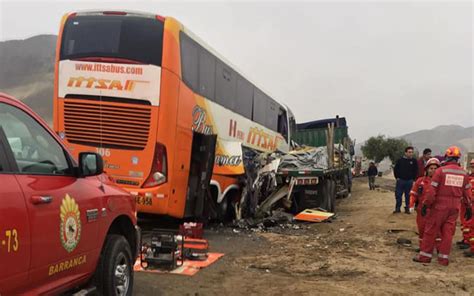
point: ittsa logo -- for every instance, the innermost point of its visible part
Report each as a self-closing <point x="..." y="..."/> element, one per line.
<point x="96" y="83"/>
<point x="258" y="137"/>
<point x="199" y="121"/>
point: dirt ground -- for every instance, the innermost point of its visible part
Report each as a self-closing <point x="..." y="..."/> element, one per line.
<point x="356" y="254"/>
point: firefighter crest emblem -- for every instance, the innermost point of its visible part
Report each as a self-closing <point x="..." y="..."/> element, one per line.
<point x="70" y="228"/>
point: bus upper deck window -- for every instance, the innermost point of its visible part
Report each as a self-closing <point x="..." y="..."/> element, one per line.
<point x="283" y="124"/>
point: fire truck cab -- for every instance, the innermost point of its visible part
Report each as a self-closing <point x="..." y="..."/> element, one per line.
<point x="63" y="224"/>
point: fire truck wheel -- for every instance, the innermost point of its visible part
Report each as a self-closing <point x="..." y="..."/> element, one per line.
<point x="115" y="270"/>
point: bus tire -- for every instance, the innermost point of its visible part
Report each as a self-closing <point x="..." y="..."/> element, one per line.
<point x="114" y="274"/>
<point x="226" y="212"/>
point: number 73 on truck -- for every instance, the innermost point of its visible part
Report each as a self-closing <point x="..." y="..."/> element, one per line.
<point x="168" y="114"/>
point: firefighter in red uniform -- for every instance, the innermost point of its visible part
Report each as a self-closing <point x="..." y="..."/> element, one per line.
<point x="449" y="187"/>
<point x="419" y="191"/>
<point x="468" y="226"/>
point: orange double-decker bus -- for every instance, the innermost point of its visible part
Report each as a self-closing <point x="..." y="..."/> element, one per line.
<point x="167" y="113"/>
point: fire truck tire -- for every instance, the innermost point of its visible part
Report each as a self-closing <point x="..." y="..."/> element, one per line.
<point x="114" y="275"/>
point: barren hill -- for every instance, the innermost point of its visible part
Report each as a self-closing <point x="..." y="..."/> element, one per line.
<point x="439" y="138"/>
<point x="27" y="70"/>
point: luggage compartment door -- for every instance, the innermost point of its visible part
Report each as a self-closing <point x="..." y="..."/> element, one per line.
<point x="200" y="173"/>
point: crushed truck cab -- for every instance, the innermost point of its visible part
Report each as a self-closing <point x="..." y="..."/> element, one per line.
<point x="63" y="224"/>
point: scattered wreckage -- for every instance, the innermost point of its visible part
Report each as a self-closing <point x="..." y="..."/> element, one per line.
<point x="301" y="179"/>
<point x="311" y="176"/>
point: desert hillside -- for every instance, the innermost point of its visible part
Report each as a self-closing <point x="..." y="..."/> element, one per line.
<point x="27" y="70"/>
<point x="440" y="137"/>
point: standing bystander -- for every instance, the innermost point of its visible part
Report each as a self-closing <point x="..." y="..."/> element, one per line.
<point x="405" y="171"/>
<point x="372" y="172"/>
<point x="422" y="162"/>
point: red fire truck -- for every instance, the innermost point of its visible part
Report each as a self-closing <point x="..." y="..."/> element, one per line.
<point x="63" y="224"/>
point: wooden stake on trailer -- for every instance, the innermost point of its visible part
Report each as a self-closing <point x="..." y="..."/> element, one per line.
<point x="330" y="144"/>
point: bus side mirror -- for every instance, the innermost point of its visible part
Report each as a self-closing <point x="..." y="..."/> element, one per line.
<point x="90" y="164"/>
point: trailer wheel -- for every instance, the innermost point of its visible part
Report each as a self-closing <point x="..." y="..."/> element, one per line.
<point x="332" y="195"/>
<point x="299" y="202"/>
<point x="345" y="183"/>
<point x="328" y="195"/>
<point x="325" y="195"/>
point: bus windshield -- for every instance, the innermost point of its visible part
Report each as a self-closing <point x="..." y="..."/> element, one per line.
<point x="132" y="38"/>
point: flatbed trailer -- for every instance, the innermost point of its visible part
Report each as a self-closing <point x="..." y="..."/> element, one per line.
<point x="319" y="188"/>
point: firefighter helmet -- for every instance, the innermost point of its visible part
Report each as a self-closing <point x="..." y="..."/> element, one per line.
<point x="432" y="161"/>
<point x="453" y="152"/>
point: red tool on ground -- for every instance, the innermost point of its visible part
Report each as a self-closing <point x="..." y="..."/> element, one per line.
<point x="191" y="230"/>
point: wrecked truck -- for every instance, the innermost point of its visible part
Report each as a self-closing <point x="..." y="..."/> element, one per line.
<point x="306" y="177"/>
<point x="334" y="176"/>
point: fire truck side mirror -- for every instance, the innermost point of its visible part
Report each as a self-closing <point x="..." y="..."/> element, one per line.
<point x="90" y="164"/>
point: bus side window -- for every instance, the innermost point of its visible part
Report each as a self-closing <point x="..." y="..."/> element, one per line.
<point x="207" y="74"/>
<point x="244" y="99"/>
<point x="259" y="106"/>
<point x="226" y="84"/>
<point x="189" y="65"/>
<point x="271" y="117"/>
<point x="283" y="124"/>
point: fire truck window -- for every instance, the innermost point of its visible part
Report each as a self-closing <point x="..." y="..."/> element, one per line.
<point x="34" y="149"/>
<point x="3" y="157"/>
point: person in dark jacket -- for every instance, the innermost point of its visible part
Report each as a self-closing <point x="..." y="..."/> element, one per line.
<point x="405" y="171"/>
<point x="372" y="172"/>
<point x="422" y="162"/>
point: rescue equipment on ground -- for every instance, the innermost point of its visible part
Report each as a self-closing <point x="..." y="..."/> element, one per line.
<point x="162" y="250"/>
<point x="312" y="215"/>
